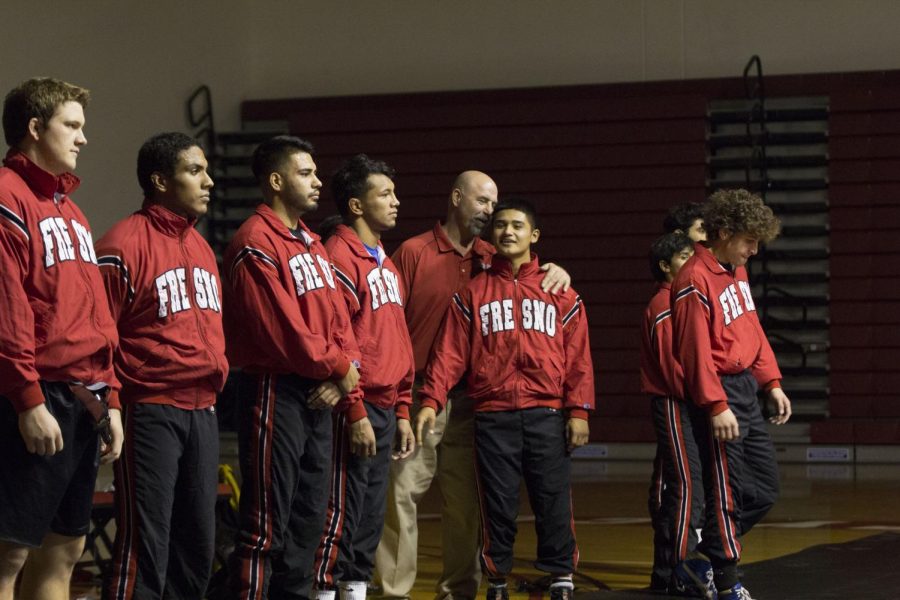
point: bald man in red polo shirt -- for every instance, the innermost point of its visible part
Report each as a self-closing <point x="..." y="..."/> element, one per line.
<point x="433" y="267"/>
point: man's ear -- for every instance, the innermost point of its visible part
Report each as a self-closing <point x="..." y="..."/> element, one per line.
<point x="664" y="266"/>
<point x="724" y="235"/>
<point x="456" y="197"/>
<point x="355" y="207"/>
<point x="160" y="182"/>
<point x="276" y="182"/>
<point x="34" y="128"/>
<point x="535" y="235"/>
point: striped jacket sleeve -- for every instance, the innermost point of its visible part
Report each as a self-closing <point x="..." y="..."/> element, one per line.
<point x="117" y="278"/>
<point x="18" y="374"/>
<point x="578" y="387"/>
<point x="691" y="309"/>
<point x="450" y="354"/>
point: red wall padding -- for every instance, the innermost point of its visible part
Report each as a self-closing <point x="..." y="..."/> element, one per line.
<point x="604" y="163"/>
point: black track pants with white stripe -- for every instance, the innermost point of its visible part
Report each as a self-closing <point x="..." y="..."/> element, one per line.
<point x="676" y="486"/>
<point x="740" y="477"/>
<point x="357" y="504"/>
<point x="285" y="456"/>
<point x="166" y="486"/>
<point x="529" y="444"/>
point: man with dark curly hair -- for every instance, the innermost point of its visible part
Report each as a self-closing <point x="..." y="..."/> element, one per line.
<point x="726" y="358"/>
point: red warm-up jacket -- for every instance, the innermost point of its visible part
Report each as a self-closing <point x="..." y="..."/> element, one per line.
<point x="163" y="288"/>
<point x="661" y="374"/>
<point x="717" y="331"/>
<point x="283" y="313"/>
<point x="522" y="347"/>
<point x="55" y="323"/>
<point x="372" y="290"/>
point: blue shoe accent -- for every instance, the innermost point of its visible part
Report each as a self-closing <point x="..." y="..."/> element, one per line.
<point x="694" y="577"/>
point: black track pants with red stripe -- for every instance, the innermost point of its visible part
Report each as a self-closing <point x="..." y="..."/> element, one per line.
<point x="530" y="443"/>
<point x="357" y="504"/>
<point x="676" y="487"/>
<point x="285" y="456"/>
<point x="740" y="477"/>
<point x="166" y="485"/>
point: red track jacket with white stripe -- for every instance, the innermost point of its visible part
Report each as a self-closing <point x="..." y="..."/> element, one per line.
<point x="717" y="331"/>
<point x="375" y="303"/>
<point x="661" y="374"/>
<point x="522" y="347"/>
<point x="283" y="313"/>
<point x="162" y="283"/>
<point x="55" y="323"/>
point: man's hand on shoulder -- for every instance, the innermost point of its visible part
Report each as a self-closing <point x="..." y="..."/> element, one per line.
<point x="40" y="431"/>
<point x="556" y="278"/>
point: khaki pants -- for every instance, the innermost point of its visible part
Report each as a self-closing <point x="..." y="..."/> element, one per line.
<point x="449" y="454"/>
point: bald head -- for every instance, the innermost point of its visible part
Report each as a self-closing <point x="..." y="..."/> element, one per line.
<point x="472" y="201"/>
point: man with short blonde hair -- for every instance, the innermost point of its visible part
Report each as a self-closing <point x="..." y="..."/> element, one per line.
<point x="59" y="403"/>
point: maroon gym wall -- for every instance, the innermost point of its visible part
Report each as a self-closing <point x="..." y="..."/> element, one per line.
<point x="604" y="163"/>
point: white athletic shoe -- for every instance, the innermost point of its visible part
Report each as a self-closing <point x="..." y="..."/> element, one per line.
<point x="352" y="590"/>
<point x="325" y="594"/>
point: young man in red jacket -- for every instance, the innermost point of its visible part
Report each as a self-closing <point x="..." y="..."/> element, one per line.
<point x="726" y="358"/>
<point x="675" y="501"/>
<point x="57" y="339"/>
<point x="531" y="378"/>
<point x="433" y="266"/>
<point x="288" y="329"/>
<point x="163" y="287"/>
<point x="364" y="433"/>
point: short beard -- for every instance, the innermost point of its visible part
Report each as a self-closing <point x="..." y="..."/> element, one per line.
<point x="476" y="227"/>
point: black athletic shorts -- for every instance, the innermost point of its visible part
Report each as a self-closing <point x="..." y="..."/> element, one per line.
<point x="40" y="494"/>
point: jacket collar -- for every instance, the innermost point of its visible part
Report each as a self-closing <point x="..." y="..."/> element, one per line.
<point x="39" y="180"/>
<point x="165" y="220"/>
<point x="709" y="259"/>
<point x="356" y="245"/>
<point x="480" y="248"/>
<point x="663" y="285"/>
<point x="502" y="267"/>
<point x="304" y="234"/>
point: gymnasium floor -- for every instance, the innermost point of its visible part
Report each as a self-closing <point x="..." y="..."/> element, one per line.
<point x="820" y="504"/>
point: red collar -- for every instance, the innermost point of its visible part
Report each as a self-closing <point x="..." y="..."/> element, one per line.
<point x="39" y="180"/>
<point x="709" y="259"/>
<point x="480" y="248"/>
<point x="347" y="234"/>
<point x="502" y="267"/>
<point x="274" y="221"/>
<point x="165" y="220"/>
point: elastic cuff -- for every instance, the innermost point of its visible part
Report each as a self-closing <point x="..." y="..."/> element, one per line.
<point x="402" y="411"/>
<point x="26" y="397"/>
<point x="432" y="403"/>
<point x="113" y="399"/>
<point x="578" y="413"/>
<point x="772" y="385"/>
<point x="357" y="411"/>
<point x="341" y="369"/>
<point x="718" y="407"/>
